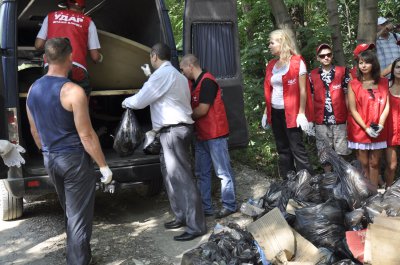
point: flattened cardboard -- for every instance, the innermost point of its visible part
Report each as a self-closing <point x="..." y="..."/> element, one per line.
<point x="306" y="252"/>
<point x="273" y="234"/>
<point x="385" y="245"/>
<point x="120" y="68"/>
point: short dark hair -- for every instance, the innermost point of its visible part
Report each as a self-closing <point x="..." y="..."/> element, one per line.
<point x="57" y="50"/>
<point x="162" y="50"/>
<point x="369" y="56"/>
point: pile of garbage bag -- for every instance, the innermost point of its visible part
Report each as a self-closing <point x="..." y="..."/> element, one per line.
<point x="327" y="205"/>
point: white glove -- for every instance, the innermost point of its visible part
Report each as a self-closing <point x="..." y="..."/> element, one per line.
<point x="149" y="138"/>
<point x="371" y="132"/>
<point x="13" y="158"/>
<point x="264" y="121"/>
<point x="311" y="129"/>
<point x="146" y="69"/>
<point x="106" y="175"/>
<point x="380" y="128"/>
<point x="301" y="121"/>
<point x="124" y="106"/>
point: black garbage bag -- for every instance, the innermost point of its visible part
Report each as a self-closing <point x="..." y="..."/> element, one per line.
<point x="323" y="225"/>
<point x="271" y="197"/>
<point x="327" y="182"/>
<point x="304" y="188"/>
<point x="128" y="135"/>
<point x="345" y="262"/>
<point x="355" y="220"/>
<point x="373" y="206"/>
<point x="226" y="245"/>
<point x="353" y="186"/>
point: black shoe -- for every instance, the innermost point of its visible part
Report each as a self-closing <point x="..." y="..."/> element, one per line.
<point x="173" y="224"/>
<point x="223" y="213"/>
<point x="185" y="237"/>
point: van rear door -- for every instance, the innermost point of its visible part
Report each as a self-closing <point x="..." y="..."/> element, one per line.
<point x="211" y="33"/>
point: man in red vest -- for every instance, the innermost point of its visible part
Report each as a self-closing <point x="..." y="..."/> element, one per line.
<point x="212" y="130"/>
<point x="81" y="32"/>
<point x="329" y="83"/>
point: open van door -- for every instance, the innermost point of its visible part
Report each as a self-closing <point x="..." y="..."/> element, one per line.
<point x="211" y="33"/>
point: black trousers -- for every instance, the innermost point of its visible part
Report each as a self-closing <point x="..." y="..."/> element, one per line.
<point x="75" y="183"/>
<point x="290" y="146"/>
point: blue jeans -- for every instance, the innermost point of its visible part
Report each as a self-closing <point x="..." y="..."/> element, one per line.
<point x="215" y="153"/>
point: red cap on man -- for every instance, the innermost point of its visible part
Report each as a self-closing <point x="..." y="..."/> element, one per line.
<point x="323" y="46"/>
<point x="362" y="48"/>
<point x="78" y="3"/>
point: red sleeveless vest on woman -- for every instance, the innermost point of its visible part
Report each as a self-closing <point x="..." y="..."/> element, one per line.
<point x="370" y="109"/>
<point x="393" y="121"/>
<point x="291" y="92"/>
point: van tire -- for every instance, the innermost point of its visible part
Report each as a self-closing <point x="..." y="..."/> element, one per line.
<point x="155" y="186"/>
<point x="10" y="207"/>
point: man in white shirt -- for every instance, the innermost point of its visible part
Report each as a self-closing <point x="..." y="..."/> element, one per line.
<point x="387" y="45"/>
<point x="168" y="94"/>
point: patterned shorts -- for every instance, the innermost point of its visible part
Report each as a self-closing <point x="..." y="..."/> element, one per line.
<point x="334" y="136"/>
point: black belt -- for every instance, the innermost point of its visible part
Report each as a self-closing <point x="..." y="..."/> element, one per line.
<point x="168" y="128"/>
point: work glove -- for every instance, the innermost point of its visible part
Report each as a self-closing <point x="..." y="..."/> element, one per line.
<point x="101" y="58"/>
<point x="264" y="122"/>
<point x="301" y="121"/>
<point x="371" y="132"/>
<point x="124" y="106"/>
<point x="311" y="129"/>
<point x="106" y="175"/>
<point x="146" y="69"/>
<point x="11" y="154"/>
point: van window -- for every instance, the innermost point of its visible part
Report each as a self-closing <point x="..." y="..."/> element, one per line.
<point x="213" y="44"/>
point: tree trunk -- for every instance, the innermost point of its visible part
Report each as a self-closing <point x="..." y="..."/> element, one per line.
<point x="282" y="17"/>
<point x="334" y="24"/>
<point x="368" y="16"/>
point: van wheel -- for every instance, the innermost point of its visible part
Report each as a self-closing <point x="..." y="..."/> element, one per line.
<point x="155" y="186"/>
<point x="10" y="207"/>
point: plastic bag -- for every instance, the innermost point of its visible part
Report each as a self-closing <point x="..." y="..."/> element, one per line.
<point x="354" y="220"/>
<point x="353" y="187"/>
<point x="152" y="144"/>
<point x="323" y="224"/>
<point x="129" y="134"/>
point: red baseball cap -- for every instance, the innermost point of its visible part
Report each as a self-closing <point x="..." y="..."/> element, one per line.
<point x="362" y="48"/>
<point x="78" y="3"/>
<point x="323" y="46"/>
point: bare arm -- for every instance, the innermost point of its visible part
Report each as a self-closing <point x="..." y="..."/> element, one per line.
<point x="73" y="98"/>
<point x="353" y="109"/>
<point x="386" y="71"/>
<point x="385" y="113"/>
<point x="200" y="111"/>
<point x="95" y="55"/>
<point x="303" y="93"/>
<point x="39" y="44"/>
<point x="34" y="131"/>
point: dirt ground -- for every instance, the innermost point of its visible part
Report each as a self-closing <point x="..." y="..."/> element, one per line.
<point x="127" y="229"/>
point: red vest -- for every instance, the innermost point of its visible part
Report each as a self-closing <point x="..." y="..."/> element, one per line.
<point x="215" y="123"/>
<point x="291" y="92"/>
<point x="337" y="96"/>
<point x="74" y="26"/>
<point x="369" y="109"/>
<point x="393" y="121"/>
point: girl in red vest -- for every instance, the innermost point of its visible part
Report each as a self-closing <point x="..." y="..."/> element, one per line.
<point x="288" y="103"/>
<point x="369" y="108"/>
<point x="393" y="122"/>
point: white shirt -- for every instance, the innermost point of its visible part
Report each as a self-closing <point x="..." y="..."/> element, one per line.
<point x="277" y="85"/>
<point x="168" y="94"/>
<point x="93" y="39"/>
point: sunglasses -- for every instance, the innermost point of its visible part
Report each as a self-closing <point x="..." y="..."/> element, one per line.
<point x="322" y="56"/>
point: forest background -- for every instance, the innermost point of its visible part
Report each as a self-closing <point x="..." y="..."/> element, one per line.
<point x="342" y="23"/>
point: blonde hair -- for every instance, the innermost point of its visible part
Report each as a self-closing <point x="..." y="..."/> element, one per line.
<point x="288" y="46"/>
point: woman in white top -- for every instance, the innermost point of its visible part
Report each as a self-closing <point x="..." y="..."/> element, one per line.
<point x="288" y="102"/>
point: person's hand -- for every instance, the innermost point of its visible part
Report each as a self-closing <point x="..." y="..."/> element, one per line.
<point x="106" y="175"/>
<point x="101" y="58"/>
<point x="301" y="121"/>
<point x="371" y="132"/>
<point x="379" y="128"/>
<point x="13" y="158"/>
<point x="264" y="121"/>
<point x="124" y="104"/>
<point x="146" y="69"/>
